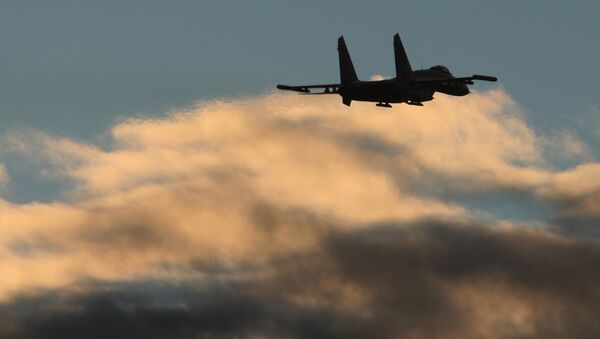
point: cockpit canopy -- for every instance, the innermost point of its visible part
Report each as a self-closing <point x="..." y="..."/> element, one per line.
<point x="440" y="68"/>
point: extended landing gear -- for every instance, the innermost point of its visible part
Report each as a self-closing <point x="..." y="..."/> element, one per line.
<point x="414" y="103"/>
<point x="384" y="104"/>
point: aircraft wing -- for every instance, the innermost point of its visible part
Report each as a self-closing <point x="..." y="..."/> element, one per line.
<point x="463" y="80"/>
<point x="307" y="89"/>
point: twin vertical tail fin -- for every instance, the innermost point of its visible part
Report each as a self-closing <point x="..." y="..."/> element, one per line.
<point x="404" y="72"/>
<point x="347" y="72"/>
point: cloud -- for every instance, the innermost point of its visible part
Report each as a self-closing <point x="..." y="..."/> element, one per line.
<point x="429" y="279"/>
<point x="577" y="192"/>
<point x="376" y="77"/>
<point x="3" y="175"/>
<point x="302" y="218"/>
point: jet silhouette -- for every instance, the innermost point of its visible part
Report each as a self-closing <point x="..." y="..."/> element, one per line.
<point x="411" y="87"/>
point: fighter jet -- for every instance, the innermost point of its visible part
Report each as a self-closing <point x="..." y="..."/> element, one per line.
<point x="411" y="87"/>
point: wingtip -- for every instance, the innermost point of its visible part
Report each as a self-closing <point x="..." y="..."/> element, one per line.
<point x="485" y="77"/>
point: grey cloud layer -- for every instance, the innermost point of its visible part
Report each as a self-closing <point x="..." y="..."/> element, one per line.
<point x="431" y="279"/>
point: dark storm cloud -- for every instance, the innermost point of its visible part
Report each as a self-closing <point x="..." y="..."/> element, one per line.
<point x="410" y="279"/>
<point x="412" y="272"/>
<point x="579" y="226"/>
<point x="121" y="312"/>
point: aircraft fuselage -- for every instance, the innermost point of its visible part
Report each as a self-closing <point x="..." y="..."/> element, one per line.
<point x="394" y="91"/>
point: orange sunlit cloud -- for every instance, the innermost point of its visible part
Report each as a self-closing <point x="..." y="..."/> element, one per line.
<point x="244" y="182"/>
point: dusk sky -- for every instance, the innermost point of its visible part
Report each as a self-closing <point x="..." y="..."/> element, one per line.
<point x="155" y="184"/>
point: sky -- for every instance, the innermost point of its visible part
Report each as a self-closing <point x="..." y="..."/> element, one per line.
<point x="154" y="184"/>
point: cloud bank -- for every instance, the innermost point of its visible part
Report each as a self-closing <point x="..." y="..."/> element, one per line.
<point x="278" y="216"/>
